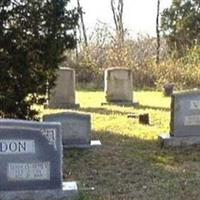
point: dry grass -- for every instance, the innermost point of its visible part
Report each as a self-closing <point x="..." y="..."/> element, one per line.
<point x="131" y="165"/>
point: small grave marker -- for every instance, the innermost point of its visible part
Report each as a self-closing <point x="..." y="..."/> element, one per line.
<point x="76" y="129"/>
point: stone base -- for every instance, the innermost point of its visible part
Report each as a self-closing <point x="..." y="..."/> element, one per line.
<point x="122" y="103"/>
<point x="63" y="106"/>
<point x="93" y="143"/>
<point x="69" y="192"/>
<point x="172" y="141"/>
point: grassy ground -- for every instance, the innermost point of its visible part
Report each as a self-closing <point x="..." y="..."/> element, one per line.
<point x="131" y="165"/>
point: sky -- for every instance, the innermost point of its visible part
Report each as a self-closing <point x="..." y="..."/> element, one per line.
<point x="139" y="15"/>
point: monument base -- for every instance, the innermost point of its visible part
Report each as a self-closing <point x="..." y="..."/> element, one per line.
<point x="93" y="144"/>
<point x="69" y="192"/>
<point x="63" y="106"/>
<point x="172" y="141"/>
<point x="122" y="103"/>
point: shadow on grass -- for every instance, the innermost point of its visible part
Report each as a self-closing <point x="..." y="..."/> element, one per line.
<point x="105" y="111"/>
<point x="131" y="168"/>
<point x="153" y="107"/>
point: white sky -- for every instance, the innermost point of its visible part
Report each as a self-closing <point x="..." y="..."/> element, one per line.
<point x="139" y="15"/>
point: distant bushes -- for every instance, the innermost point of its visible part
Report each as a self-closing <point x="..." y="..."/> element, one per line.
<point x="105" y="51"/>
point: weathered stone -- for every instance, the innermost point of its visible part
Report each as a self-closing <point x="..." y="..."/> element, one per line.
<point x="168" y="89"/>
<point x="63" y="95"/>
<point x="76" y="128"/>
<point x="119" y="86"/>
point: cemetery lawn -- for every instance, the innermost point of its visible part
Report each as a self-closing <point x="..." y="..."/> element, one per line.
<point x="131" y="165"/>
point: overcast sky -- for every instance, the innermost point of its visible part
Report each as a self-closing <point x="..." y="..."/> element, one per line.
<point x="139" y="15"/>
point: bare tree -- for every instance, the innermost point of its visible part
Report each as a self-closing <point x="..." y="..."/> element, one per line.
<point x="158" y="33"/>
<point x="80" y="11"/>
<point x="117" y="11"/>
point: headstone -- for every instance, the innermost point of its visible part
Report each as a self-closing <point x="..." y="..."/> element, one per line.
<point x="168" y="89"/>
<point x="76" y="129"/>
<point x="185" y="119"/>
<point x="118" y="86"/>
<point x="63" y="95"/>
<point x="31" y="161"/>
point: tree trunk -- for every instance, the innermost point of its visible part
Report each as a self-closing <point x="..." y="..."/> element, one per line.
<point x="158" y="33"/>
<point x="80" y="11"/>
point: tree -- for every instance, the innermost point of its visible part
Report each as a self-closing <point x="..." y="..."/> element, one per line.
<point x="118" y="18"/>
<point x="80" y="12"/>
<point x="180" y="25"/>
<point x="33" y="36"/>
<point x="158" y="33"/>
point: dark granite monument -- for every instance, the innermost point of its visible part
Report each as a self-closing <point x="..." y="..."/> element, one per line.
<point x="31" y="160"/>
<point x="76" y="129"/>
<point x="185" y="119"/>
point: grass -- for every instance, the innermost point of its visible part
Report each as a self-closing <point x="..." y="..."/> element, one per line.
<point x="131" y="165"/>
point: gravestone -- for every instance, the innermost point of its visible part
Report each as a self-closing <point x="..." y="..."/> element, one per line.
<point x="63" y="94"/>
<point x="76" y="129"/>
<point x="168" y="89"/>
<point x="118" y="86"/>
<point x="31" y="161"/>
<point x="185" y="119"/>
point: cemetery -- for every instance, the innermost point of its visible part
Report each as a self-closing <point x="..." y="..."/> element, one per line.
<point x="102" y="114"/>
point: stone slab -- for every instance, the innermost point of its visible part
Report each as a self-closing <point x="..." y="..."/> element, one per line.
<point x="31" y="155"/>
<point x="172" y="141"/>
<point x="63" y="95"/>
<point x="76" y="127"/>
<point x="93" y="144"/>
<point x="185" y="114"/>
<point x="69" y="191"/>
<point x="118" y="84"/>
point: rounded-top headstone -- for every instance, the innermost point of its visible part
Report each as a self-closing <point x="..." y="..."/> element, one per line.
<point x="118" y="84"/>
<point x="63" y="95"/>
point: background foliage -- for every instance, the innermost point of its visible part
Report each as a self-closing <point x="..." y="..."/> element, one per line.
<point x="33" y="36"/>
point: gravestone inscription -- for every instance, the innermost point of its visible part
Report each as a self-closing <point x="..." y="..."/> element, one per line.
<point x="185" y="114"/>
<point x="31" y="155"/>
<point x="185" y="119"/>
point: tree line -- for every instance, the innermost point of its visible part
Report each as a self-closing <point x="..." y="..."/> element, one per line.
<point x="35" y="34"/>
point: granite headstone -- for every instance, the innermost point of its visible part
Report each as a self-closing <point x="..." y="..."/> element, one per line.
<point x="185" y="118"/>
<point x="76" y="128"/>
<point x="31" y="159"/>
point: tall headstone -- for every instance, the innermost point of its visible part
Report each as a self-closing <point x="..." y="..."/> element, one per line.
<point x="63" y="95"/>
<point x="118" y="86"/>
<point x="31" y="161"/>
<point x="185" y="119"/>
<point x="76" y="129"/>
